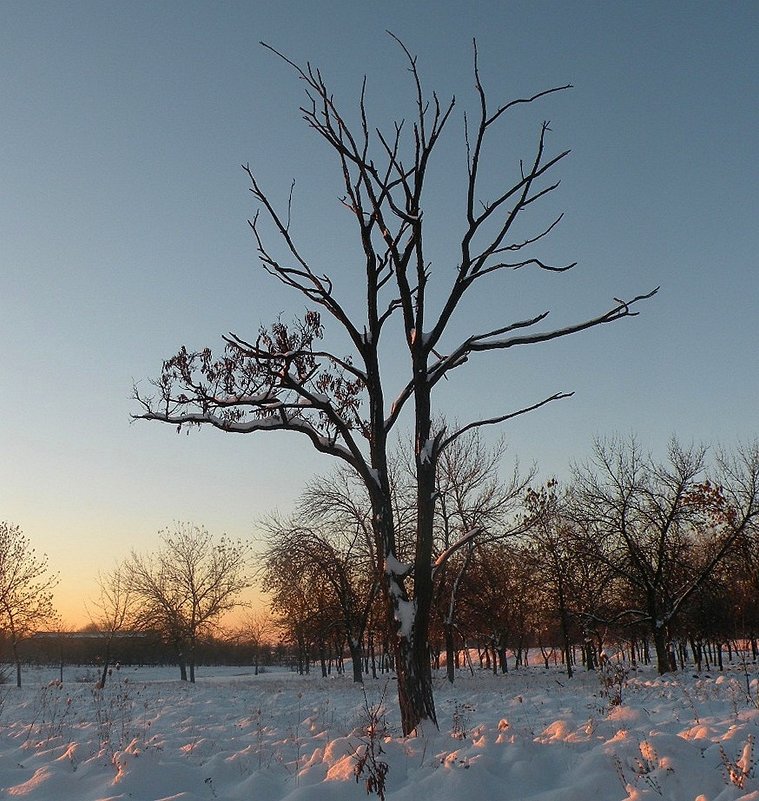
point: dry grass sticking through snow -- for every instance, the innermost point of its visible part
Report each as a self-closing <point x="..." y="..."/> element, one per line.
<point x="532" y="735"/>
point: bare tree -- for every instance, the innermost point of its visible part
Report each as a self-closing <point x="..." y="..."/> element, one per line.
<point x="477" y="504"/>
<point x="664" y="527"/>
<point x="335" y="555"/>
<point x="112" y="611"/>
<point x="183" y="589"/>
<point x="304" y="606"/>
<point x="26" y="598"/>
<point x="555" y="551"/>
<point x="742" y="570"/>
<point x="497" y="605"/>
<point x="256" y="631"/>
<point x="283" y="380"/>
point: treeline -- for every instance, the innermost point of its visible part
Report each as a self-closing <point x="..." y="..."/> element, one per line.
<point x="657" y="560"/>
<point x="87" y="648"/>
<point x="151" y="608"/>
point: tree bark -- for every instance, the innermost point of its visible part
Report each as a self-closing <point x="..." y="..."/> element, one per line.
<point x="323" y="657"/>
<point x="17" y="661"/>
<point x="104" y="674"/>
<point x="182" y="666"/>
<point x="564" y="620"/>
<point x="414" y="686"/>
<point x="355" y="652"/>
<point x="660" y="644"/>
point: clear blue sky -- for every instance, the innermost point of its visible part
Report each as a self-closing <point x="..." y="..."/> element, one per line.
<point x="123" y="234"/>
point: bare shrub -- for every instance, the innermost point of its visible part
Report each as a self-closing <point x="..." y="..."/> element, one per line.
<point x="370" y="766"/>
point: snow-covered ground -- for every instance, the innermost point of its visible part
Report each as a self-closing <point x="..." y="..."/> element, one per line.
<point x="530" y="735"/>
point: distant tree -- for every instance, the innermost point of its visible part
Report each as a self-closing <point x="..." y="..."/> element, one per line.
<point x="302" y="574"/>
<point x="553" y="550"/>
<point x="256" y="631"/>
<point x="184" y="588"/>
<point x="112" y="611"/>
<point x="282" y="379"/>
<point x="497" y="605"/>
<point x="664" y="527"/>
<point x="26" y="584"/>
<point x="475" y="504"/>
<point x="336" y="559"/>
<point x="741" y="574"/>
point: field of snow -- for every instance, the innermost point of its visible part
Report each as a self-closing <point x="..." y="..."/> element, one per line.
<point x="532" y="735"/>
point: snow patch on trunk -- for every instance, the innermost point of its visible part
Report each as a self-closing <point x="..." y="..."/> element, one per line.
<point x="405" y="613"/>
<point x="425" y="455"/>
<point x="394" y="567"/>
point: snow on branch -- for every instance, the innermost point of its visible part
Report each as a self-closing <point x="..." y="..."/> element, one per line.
<point x="279" y="422"/>
<point x="491" y="340"/>
<point x="495" y="339"/>
<point x="279" y="383"/>
<point x="466" y="538"/>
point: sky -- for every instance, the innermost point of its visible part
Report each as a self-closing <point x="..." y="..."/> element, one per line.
<point x="123" y="235"/>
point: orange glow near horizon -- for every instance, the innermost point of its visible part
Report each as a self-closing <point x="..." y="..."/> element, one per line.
<point x="73" y="598"/>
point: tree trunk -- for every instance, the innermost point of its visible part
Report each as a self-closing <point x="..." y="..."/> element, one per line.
<point x="191" y="660"/>
<point x="567" y="653"/>
<point x="17" y="661"/>
<point x="590" y="662"/>
<point x="414" y="685"/>
<point x="502" y="659"/>
<point x="411" y="657"/>
<point x="300" y="649"/>
<point x="413" y="667"/>
<point x="408" y="619"/>
<point x="564" y="622"/>
<point x="182" y="669"/>
<point x="450" y="652"/>
<point x="355" y="651"/>
<point x="696" y="648"/>
<point x="323" y="657"/>
<point x="662" y="654"/>
<point x="468" y="656"/>
<point x="449" y="625"/>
